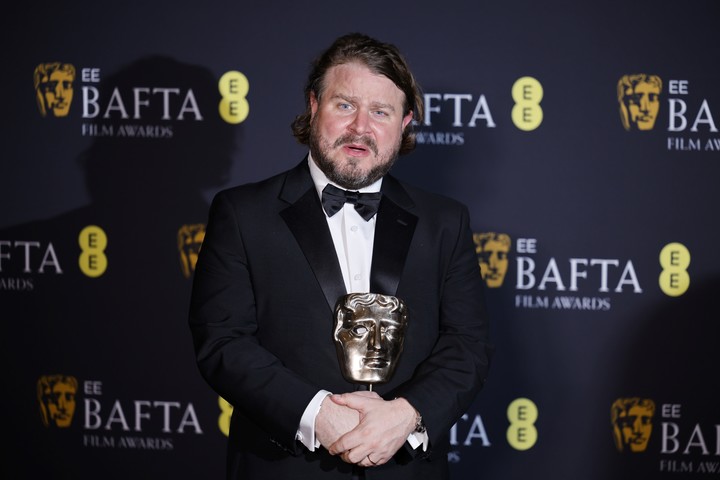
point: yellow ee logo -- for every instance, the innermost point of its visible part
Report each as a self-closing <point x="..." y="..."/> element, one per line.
<point x="234" y="87"/>
<point x="93" y="242"/>
<point x="225" y="413"/>
<point x="522" y="414"/>
<point x="527" y="93"/>
<point x="674" y="278"/>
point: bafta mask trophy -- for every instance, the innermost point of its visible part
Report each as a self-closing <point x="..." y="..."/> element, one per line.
<point x="369" y="333"/>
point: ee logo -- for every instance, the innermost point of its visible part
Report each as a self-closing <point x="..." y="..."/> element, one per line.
<point x="674" y="278"/>
<point x="527" y="93"/>
<point x="93" y="242"/>
<point x="522" y="414"/>
<point x="234" y="107"/>
<point x="225" y="414"/>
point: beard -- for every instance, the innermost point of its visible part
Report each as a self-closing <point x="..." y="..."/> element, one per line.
<point x="348" y="172"/>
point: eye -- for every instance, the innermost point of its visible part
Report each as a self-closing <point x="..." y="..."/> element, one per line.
<point x="390" y="332"/>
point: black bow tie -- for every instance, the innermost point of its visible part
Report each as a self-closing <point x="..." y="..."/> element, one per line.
<point x="334" y="198"/>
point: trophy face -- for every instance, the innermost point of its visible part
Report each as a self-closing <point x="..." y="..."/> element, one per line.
<point x="369" y="333"/>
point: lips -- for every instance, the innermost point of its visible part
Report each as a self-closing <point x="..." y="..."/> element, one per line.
<point x="356" y="145"/>
<point x="375" y="362"/>
<point x="355" y="149"/>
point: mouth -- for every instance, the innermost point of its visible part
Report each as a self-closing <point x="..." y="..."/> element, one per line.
<point x="356" y="146"/>
<point x="375" y="362"/>
<point x="355" y="149"/>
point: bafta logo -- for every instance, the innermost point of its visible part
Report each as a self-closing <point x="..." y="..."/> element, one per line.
<point x="632" y="423"/>
<point x="639" y="98"/>
<point x="54" y="88"/>
<point x="190" y="238"/>
<point x="369" y="332"/>
<point x="492" y="252"/>
<point x="56" y="396"/>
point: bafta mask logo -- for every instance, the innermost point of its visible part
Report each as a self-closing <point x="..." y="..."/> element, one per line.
<point x="54" y="88"/>
<point x="492" y="251"/>
<point x="639" y="98"/>
<point x="369" y="333"/>
<point x="190" y="238"/>
<point x="632" y="423"/>
<point x="56" y="396"/>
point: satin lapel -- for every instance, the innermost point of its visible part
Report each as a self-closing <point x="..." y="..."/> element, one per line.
<point x="393" y="233"/>
<point x="307" y="222"/>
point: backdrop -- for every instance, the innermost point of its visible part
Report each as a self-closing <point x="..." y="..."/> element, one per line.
<point x="583" y="136"/>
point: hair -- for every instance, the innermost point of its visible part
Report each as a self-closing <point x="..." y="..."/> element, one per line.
<point x="623" y="405"/>
<point x="482" y="238"/>
<point x="382" y="59"/>
<point x="630" y="81"/>
<point x="355" y="301"/>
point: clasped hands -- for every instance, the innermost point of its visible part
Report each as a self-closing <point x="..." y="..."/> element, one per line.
<point x="363" y="428"/>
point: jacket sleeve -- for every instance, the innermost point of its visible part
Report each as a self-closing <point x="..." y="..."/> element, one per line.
<point x="445" y="384"/>
<point x="223" y="322"/>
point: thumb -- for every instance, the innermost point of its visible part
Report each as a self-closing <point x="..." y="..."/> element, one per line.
<point x="354" y="400"/>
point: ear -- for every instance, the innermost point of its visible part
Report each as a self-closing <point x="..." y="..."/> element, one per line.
<point x="313" y="104"/>
<point x="407" y="119"/>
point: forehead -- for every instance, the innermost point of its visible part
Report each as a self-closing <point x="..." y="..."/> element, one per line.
<point x="646" y="87"/>
<point x="495" y="245"/>
<point x="357" y="81"/>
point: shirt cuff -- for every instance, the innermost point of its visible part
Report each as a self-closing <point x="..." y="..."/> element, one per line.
<point x="415" y="439"/>
<point x="306" y="431"/>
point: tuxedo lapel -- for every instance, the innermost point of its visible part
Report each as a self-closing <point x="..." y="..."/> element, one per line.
<point x="306" y="220"/>
<point x="393" y="233"/>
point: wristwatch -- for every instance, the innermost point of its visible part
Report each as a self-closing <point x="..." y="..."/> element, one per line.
<point x="419" y="425"/>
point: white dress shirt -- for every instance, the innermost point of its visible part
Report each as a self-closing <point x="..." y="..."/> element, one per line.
<point x="353" y="238"/>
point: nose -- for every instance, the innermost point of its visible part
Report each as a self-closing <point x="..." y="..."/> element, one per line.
<point x="375" y="339"/>
<point x="361" y="123"/>
<point x="60" y="90"/>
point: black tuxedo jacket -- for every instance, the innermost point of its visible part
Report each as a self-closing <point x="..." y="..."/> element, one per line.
<point x="265" y="287"/>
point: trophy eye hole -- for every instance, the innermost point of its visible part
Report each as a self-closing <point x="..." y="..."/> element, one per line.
<point x="359" y="330"/>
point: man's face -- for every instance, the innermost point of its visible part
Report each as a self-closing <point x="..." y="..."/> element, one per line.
<point x="636" y="427"/>
<point x="643" y="104"/>
<point x="370" y="342"/>
<point x="57" y="91"/>
<point x="357" y="125"/>
<point x="60" y="404"/>
<point x="493" y="257"/>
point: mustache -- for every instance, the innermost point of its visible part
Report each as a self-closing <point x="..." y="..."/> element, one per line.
<point x="349" y="138"/>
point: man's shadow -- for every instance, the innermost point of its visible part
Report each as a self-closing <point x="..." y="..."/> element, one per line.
<point x="149" y="177"/>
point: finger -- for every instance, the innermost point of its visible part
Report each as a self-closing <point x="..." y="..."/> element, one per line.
<point x="355" y="400"/>
<point x="373" y="463"/>
<point x="355" y="457"/>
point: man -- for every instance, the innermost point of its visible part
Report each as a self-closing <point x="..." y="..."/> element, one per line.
<point x="275" y="261"/>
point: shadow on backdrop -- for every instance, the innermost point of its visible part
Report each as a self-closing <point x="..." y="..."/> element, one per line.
<point x="126" y="328"/>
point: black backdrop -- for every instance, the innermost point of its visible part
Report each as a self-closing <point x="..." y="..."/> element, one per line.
<point x="599" y="317"/>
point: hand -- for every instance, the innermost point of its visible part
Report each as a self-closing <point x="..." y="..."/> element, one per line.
<point x="333" y="420"/>
<point x="383" y="429"/>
